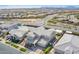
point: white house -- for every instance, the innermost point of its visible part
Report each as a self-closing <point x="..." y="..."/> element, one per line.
<point x="9" y="26"/>
<point x="68" y="44"/>
<point x="20" y="33"/>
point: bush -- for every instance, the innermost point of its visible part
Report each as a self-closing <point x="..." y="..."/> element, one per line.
<point x="8" y="42"/>
<point x="14" y="45"/>
<point x="23" y="49"/>
<point x="47" y="50"/>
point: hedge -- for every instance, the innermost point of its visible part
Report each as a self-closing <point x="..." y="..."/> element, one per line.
<point x="23" y="49"/>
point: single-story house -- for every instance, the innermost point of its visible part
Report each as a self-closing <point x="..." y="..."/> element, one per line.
<point x="9" y="26"/>
<point x="68" y="44"/>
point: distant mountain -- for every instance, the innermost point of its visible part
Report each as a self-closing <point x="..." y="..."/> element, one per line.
<point x="62" y="7"/>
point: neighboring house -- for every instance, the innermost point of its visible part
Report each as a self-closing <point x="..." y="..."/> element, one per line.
<point x="5" y="28"/>
<point x="68" y="44"/>
<point x="8" y="26"/>
<point x="19" y="33"/>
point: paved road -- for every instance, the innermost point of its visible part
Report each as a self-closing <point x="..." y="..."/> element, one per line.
<point x="4" y="49"/>
<point x="48" y="18"/>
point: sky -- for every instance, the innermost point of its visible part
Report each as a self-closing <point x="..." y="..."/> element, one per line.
<point x="19" y="6"/>
<point x="35" y="6"/>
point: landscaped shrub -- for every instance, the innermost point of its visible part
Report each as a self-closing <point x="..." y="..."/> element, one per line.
<point x="47" y="50"/>
<point x="14" y="45"/>
<point x="8" y="42"/>
<point x="23" y="49"/>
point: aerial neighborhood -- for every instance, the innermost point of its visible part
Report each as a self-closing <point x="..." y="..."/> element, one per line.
<point x="39" y="31"/>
